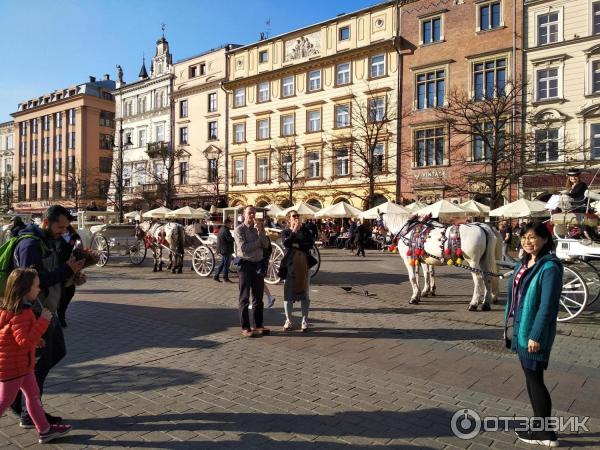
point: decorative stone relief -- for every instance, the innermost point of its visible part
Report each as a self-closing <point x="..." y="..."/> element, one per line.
<point x="303" y="47"/>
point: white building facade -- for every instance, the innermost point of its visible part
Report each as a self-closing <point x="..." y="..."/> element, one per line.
<point x="7" y="140"/>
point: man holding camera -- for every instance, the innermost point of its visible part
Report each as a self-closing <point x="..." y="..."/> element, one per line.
<point x="38" y="249"/>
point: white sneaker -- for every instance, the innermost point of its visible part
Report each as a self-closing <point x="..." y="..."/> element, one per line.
<point x="304" y="326"/>
<point x="288" y="325"/>
<point x="271" y="301"/>
<point x="250" y="305"/>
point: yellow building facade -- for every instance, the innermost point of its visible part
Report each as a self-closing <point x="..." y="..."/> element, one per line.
<point x="300" y="106"/>
<point x="562" y="54"/>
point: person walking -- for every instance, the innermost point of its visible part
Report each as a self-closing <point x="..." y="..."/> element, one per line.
<point x="297" y="241"/>
<point x="65" y="247"/>
<point x="361" y="238"/>
<point x="251" y="241"/>
<point x="225" y="243"/>
<point x="38" y="249"/>
<point x="20" y="334"/>
<point x="530" y="322"/>
<point x="506" y="233"/>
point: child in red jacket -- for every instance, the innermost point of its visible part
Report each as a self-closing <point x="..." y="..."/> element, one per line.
<point x="20" y="334"/>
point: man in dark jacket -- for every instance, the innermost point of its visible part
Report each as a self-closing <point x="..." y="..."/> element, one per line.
<point x="225" y="249"/>
<point x="17" y="226"/>
<point x="40" y="252"/>
<point x="361" y="237"/>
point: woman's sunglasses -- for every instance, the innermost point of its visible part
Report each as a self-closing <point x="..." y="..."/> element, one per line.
<point x="295" y="216"/>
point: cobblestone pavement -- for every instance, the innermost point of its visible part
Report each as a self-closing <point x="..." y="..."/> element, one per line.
<point x="155" y="360"/>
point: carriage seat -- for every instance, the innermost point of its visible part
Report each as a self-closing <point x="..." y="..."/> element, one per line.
<point x="590" y="220"/>
<point x="115" y="230"/>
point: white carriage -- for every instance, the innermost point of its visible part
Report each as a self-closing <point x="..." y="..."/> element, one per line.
<point x="205" y="257"/>
<point x="5" y="225"/>
<point x="100" y="231"/>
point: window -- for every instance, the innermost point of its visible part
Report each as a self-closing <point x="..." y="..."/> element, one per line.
<point x="376" y="109"/>
<point x="595" y="140"/>
<point x="342" y="74"/>
<point x="57" y="189"/>
<point x="71" y="163"/>
<point x="9" y="142"/>
<point x="106" y="141"/>
<point x="263" y="56"/>
<point x="57" y="142"/>
<point x="23" y="128"/>
<point x="193" y="71"/>
<point x="547" y="84"/>
<point x="314" y="165"/>
<point x="262" y="175"/>
<point x="239" y="132"/>
<point x="377" y="66"/>
<point x="127" y="176"/>
<point x="22" y="190"/>
<point x="485" y="138"/>
<point x="71" y="137"/>
<point x="23" y="170"/>
<point x="58" y="120"/>
<point x="431" y="89"/>
<point x="287" y="166"/>
<point x="431" y="30"/>
<point x="103" y="187"/>
<point x="46" y="144"/>
<point x="46" y="122"/>
<point x="342" y="162"/>
<point x="183" y="135"/>
<point x="105" y="165"/>
<point x="71" y="116"/>
<point x="183" y="172"/>
<point x="107" y="119"/>
<point x="239" y="98"/>
<point x="378" y="158"/>
<point x="34" y="169"/>
<point x="159" y="170"/>
<point x="212" y="130"/>
<point x="141" y="105"/>
<point x="489" y="16"/>
<point x="595" y="78"/>
<point x="314" y="80"/>
<point x="34" y="126"/>
<point x="263" y="92"/>
<point x="57" y="165"/>
<point x="34" y="147"/>
<point x="342" y="116"/>
<point x="547" y="28"/>
<point x="213" y="170"/>
<point x="33" y="192"/>
<point x="202" y="68"/>
<point x="160" y="133"/>
<point x="596" y="18"/>
<point x="23" y="148"/>
<point x="314" y="121"/>
<point x="429" y="147"/>
<point x="45" y="191"/>
<point x="489" y="78"/>
<point x="263" y="129"/>
<point x="287" y="125"/>
<point x="546" y="145"/>
<point x="212" y="102"/>
<point x="287" y="86"/>
<point x="45" y="167"/>
<point x="238" y="165"/>
<point x="344" y="33"/>
<point x="183" y="108"/>
<point x="141" y="138"/>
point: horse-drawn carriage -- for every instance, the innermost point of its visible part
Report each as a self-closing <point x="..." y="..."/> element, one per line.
<point x="100" y="231"/>
<point x="205" y="257"/>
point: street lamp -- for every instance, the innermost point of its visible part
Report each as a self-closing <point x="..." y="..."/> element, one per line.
<point x="119" y="174"/>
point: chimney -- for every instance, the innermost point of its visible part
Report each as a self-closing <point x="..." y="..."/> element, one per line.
<point x="106" y="77"/>
<point x="92" y="79"/>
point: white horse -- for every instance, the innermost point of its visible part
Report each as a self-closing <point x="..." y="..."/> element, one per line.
<point x="480" y="247"/>
<point x="157" y="236"/>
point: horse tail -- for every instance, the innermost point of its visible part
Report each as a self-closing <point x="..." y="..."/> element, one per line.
<point x="493" y="253"/>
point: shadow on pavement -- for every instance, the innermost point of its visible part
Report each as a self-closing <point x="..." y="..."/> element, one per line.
<point x="358" y="278"/>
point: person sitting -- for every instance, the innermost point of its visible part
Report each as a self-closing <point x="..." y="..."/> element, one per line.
<point x="576" y="190"/>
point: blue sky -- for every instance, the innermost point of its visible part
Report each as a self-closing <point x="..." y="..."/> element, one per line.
<point x="52" y="44"/>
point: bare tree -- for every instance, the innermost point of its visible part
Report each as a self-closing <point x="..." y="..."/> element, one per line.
<point x="212" y="176"/>
<point x="164" y="158"/>
<point x="491" y="144"/>
<point x="287" y="162"/>
<point x="78" y="183"/>
<point x="6" y="184"/>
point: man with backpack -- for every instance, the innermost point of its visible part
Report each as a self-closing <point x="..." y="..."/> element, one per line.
<point x="36" y="247"/>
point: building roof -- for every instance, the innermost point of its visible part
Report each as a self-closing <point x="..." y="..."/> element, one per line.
<point x="227" y="47"/>
<point x="143" y="73"/>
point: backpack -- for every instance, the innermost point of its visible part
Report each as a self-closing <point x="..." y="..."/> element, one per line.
<point x="7" y="258"/>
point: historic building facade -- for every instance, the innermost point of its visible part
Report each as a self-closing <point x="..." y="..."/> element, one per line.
<point x="466" y="48"/>
<point x="7" y="145"/>
<point x="562" y="54"/>
<point x="200" y="118"/>
<point x="63" y="147"/>
<point x="143" y="117"/>
<point x="311" y="112"/>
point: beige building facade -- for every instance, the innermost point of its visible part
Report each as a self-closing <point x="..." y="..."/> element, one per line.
<point x="7" y="145"/>
<point x="63" y="147"/>
<point x="300" y="105"/>
<point x="200" y="110"/>
<point x="562" y="54"/>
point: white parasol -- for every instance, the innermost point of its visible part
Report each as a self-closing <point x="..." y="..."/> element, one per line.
<point x="522" y="208"/>
<point x="476" y="207"/>
<point x="273" y="209"/>
<point x="304" y="209"/>
<point x="132" y="215"/>
<point x="443" y="209"/>
<point x="339" y="210"/>
<point x="187" y="212"/>
<point x="158" y="213"/>
<point x="415" y="206"/>
<point x="385" y="208"/>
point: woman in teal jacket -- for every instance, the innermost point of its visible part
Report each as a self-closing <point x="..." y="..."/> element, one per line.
<point x="530" y="321"/>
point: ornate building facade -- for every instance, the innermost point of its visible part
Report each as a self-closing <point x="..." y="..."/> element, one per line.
<point x="562" y="53"/>
<point x="63" y="147"/>
<point x="7" y="145"/>
<point x="311" y="112"/>
<point x="143" y="113"/>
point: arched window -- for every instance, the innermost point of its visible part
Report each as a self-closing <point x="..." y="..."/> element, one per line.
<point x="340" y="199"/>
<point x="378" y="199"/>
<point x="286" y="203"/>
<point x="314" y="202"/>
<point x="262" y="203"/>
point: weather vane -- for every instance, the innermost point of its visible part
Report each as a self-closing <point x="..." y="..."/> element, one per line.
<point x="162" y="27"/>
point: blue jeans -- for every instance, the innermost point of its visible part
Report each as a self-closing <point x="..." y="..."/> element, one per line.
<point x="224" y="266"/>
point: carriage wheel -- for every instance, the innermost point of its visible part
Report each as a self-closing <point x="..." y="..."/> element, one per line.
<point x="203" y="260"/>
<point x="314" y="270"/>
<point x="272" y="275"/>
<point x="100" y="245"/>
<point x="137" y="252"/>
<point x="574" y="295"/>
<point x="593" y="264"/>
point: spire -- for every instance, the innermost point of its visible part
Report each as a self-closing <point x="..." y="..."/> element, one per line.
<point x="143" y="73"/>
